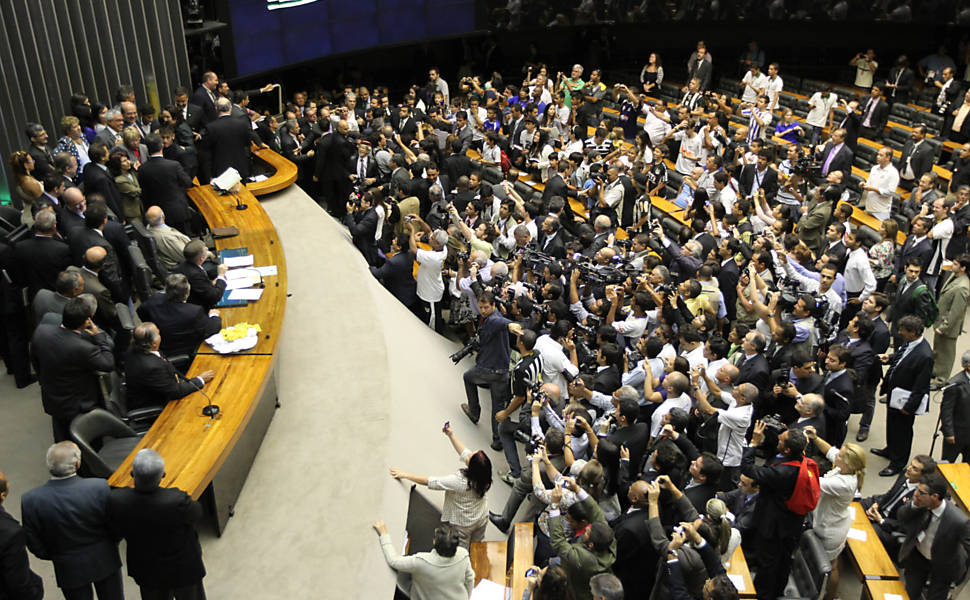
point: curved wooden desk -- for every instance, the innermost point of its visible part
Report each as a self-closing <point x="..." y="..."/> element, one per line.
<point x="285" y="175"/>
<point x="214" y="455"/>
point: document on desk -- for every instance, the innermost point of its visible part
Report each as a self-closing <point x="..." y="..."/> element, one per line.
<point x="239" y="261"/>
<point x="246" y="294"/>
<point x="488" y="590"/>
<point x="268" y="271"/>
<point x="737" y="580"/>
<point x="857" y="534"/>
<point x="235" y="283"/>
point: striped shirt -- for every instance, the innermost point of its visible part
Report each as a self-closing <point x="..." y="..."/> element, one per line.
<point x="755" y="131"/>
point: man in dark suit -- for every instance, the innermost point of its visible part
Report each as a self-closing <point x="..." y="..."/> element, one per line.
<point x="405" y="125"/>
<point x="883" y="509"/>
<point x="333" y="152"/>
<point x="151" y="378"/>
<point x="106" y="315"/>
<point x="875" y="115"/>
<point x="899" y="84"/>
<point x="838" y="392"/>
<point x="912" y="295"/>
<point x="183" y="326"/>
<point x="907" y="387"/>
<point x="164" y="555"/>
<point x="556" y="186"/>
<point x="204" y="291"/>
<point x="916" y="158"/>
<point x="936" y="549"/>
<point x="706" y="240"/>
<point x="163" y="184"/>
<point x="39" y="151"/>
<point x="66" y="523"/>
<point x="361" y="220"/>
<point x="269" y="131"/>
<point x="955" y="414"/>
<point x="753" y="367"/>
<point x="179" y="151"/>
<point x="205" y="97"/>
<point x="363" y="167"/>
<point x="225" y="144"/>
<point x="92" y="235"/>
<point x="778" y="527"/>
<point x="728" y="276"/>
<point x="397" y="273"/>
<point x="705" y="472"/>
<point x="837" y="155"/>
<point x="41" y="257"/>
<point x="551" y="238"/>
<point x="633" y="548"/>
<point x="16" y="578"/>
<point x="760" y="176"/>
<point x="700" y="69"/>
<point x="67" y="359"/>
<point x="456" y="165"/>
<point x="97" y="180"/>
<point x="741" y="501"/>
<point x="185" y="111"/>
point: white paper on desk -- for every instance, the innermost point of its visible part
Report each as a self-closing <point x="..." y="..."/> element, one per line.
<point x="246" y="294"/>
<point x="258" y="177"/>
<point x="892" y="597"/>
<point x="852" y="513"/>
<point x="242" y="282"/>
<point x="737" y="580"/>
<point x="857" y="534"/>
<point x="899" y="397"/>
<point x="239" y="261"/>
<point x="488" y="590"/>
<point x="267" y="271"/>
<point x="245" y="273"/>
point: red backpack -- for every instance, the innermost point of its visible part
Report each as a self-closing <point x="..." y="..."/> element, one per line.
<point x="807" y="491"/>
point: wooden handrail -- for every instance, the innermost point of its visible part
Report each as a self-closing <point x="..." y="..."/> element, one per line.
<point x="285" y="173"/>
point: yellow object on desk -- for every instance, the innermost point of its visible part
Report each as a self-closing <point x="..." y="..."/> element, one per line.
<point x="238" y="331"/>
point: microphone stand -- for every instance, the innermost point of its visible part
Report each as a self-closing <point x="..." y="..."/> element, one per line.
<point x="209" y="410"/>
<point x="240" y="205"/>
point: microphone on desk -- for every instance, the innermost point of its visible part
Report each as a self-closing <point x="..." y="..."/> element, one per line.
<point x="210" y="410"/>
<point x="240" y="205"/>
<point x="261" y="283"/>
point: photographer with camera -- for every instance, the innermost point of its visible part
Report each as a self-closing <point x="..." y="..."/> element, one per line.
<point x="491" y="368"/>
<point x="733" y="421"/>
<point x="525" y="387"/>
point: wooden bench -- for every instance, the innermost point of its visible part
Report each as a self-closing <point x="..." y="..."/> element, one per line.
<point x="738" y="567"/>
<point x="214" y="455"/>
<point x="284" y="176"/>
<point x="877" y="589"/>
<point x="490" y="559"/>
<point x="869" y="557"/>
<point x="958" y="475"/>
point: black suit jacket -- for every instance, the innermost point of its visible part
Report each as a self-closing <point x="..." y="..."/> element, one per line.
<point x="65" y="522"/>
<point x="911" y="373"/>
<point x="727" y="282"/>
<point x="921" y="160"/>
<point x="363" y="229"/>
<point x="225" y="144"/>
<point x="607" y="381"/>
<point x="397" y="276"/>
<point x="111" y="274"/>
<point x="837" y="395"/>
<point x="183" y="326"/>
<point x="159" y="526"/>
<point x="555" y="245"/>
<point x="905" y="301"/>
<point x="185" y="156"/>
<point x="879" y="343"/>
<point x="635" y="438"/>
<point x="200" y="97"/>
<point x="884" y="499"/>
<point x="98" y="181"/>
<point x="842" y="161"/>
<point x="923" y="250"/>
<point x="769" y="183"/>
<point x="952" y="540"/>
<point x="43" y="161"/>
<point x="67" y="364"/>
<point x="203" y="293"/>
<point x="955" y="409"/>
<point x="333" y="151"/>
<point x="163" y="184"/>
<point x="17" y="581"/>
<point x="880" y="114"/>
<point x="755" y="370"/>
<point x="152" y="381"/>
<point x="455" y="166"/>
<point x="634" y="551"/>
<point x="777" y="484"/>
<point x="39" y="260"/>
<point x="193" y="118"/>
<point x="700" y="69"/>
<point x="700" y="494"/>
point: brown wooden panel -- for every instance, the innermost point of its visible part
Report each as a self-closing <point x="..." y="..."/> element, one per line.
<point x="488" y="561"/>
<point x="285" y="175"/>
<point x="959" y="477"/>
<point x="523" y="556"/>
<point x="876" y="589"/>
<point x="870" y="559"/>
<point x="739" y="566"/>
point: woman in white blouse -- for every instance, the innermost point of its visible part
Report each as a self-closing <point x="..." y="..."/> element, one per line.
<point x="832" y="518"/>
<point x="465" y="507"/>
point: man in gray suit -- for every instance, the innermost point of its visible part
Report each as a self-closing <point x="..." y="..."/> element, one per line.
<point x="937" y="545"/>
<point x="65" y="522"/>
<point x="69" y="284"/>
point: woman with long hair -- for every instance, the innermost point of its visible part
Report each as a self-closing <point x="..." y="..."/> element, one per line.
<point x="26" y="187"/>
<point x="119" y="165"/>
<point x="652" y="74"/>
<point x="832" y="516"/>
<point x="728" y="538"/>
<point x="882" y="256"/>
<point x="549" y="583"/>
<point x="464" y="508"/>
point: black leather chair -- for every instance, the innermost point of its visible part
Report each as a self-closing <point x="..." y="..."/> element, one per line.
<point x="141" y="273"/>
<point x="810" y="569"/>
<point x="105" y="441"/>
<point x="115" y="392"/>
<point x="149" y="249"/>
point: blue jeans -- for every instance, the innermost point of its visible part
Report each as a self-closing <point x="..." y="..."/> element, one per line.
<point x="497" y="383"/>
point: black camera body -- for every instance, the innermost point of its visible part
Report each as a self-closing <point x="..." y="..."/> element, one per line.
<point x="472" y="345"/>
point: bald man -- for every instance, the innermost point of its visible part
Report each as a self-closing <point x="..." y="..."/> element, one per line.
<point x="169" y="241"/>
<point x="633" y="549"/>
<point x="152" y="380"/>
<point x="90" y="270"/>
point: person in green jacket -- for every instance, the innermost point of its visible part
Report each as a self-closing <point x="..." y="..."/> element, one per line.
<point x="591" y="552"/>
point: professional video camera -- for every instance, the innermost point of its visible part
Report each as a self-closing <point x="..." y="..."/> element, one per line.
<point x="774" y="425"/>
<point x="807" y="167"/>
<point x="470" y="347"/>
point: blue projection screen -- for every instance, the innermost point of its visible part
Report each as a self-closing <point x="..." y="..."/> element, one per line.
<point x="270" y="34"/>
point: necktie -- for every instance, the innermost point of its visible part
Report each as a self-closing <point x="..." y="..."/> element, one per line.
<point x="828" y="160"/>
<point x="870" y="106"/>
<point x="362" y="168"/>
<point x="894" y="500"/>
